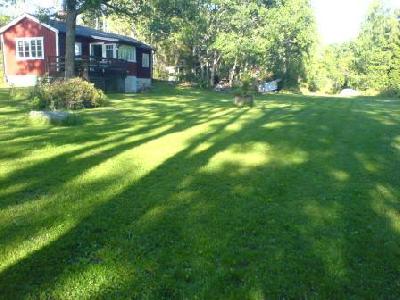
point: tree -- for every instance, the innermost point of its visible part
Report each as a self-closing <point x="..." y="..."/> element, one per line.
<point x="376" y="48"/>
<point x="371" y="61"/>
<point x="4" y="20"/>
<point x="213" y="39"/>
<point x="73" y="8"/>
<point x="394" y="66"/>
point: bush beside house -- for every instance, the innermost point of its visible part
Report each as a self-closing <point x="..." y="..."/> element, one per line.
<point x="70" y="94"/>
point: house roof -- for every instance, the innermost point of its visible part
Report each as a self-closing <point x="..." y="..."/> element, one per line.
<point x="85" y="31"/>
<point x="60" y="27"/>
<point x="21" y="17"/>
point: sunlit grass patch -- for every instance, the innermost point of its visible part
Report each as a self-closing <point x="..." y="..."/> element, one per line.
<point x="175" y="193"/>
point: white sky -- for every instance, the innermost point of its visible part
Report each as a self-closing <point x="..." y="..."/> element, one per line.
<point x="340" y="20"/>
<point x="29" y="6"/>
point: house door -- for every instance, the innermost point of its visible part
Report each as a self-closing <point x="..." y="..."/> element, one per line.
<point x="96" y="50"/>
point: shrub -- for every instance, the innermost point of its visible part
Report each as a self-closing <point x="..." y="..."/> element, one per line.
<point x="20" y="93"/>
<point x="246" y="86"/>
<point x="391" y="92"/>
<point x="38" y="103"/>
<point x="12" y="92"/>
<point x="74" y="93"/>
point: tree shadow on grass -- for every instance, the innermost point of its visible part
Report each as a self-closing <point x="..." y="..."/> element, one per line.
<point x="44" y="178"/>
<point x="286" y="202"/>
<point x="116" y="133"/>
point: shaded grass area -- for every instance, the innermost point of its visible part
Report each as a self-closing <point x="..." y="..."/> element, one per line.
<point x="176" y="194"/>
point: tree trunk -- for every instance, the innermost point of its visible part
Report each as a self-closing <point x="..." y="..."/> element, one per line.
<point x="232" y="72"/>
<point x="212" y="75"/>
<point x="70" y="23"/>
<point x="214" y="69"/>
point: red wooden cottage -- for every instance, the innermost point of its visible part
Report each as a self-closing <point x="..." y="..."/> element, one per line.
<point x="33" y="50"/>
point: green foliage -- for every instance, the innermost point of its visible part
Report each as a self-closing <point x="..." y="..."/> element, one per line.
<point x="12" y="92"/>
<point x="332" y="69"/>
<point x="245" y="86"/>
<point x="39" y="103"/>
<point x="4" y="20"/>
<point x="375" y="47"/>
<point x="44" y="14"/>
<point x="72" y="94"/>
<point x="223" y="39"/>
<point x="370" y="62"/>
<point x="2" y="77"/>
<point x="20" y="93"/>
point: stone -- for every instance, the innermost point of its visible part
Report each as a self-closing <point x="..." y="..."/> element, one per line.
<point x="240" y="101"/>
<point x="50" y="116"/>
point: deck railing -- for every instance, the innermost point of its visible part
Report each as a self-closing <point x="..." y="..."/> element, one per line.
<point x="86" y="66"/>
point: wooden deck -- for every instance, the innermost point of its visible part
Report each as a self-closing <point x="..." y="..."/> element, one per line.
<point x="101" y="71"/>
<point x="87" y="66"/>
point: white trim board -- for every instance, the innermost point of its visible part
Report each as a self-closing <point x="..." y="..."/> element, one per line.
<point x="22" y="80"/>
<point x="4" y="55"/>
<point x="57" y="50"/>
<point x="96" y="37"/>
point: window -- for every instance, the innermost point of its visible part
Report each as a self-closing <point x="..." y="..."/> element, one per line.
<point x="78" y="49"/>
<point x="145" y="60"/>
<point x="110" y="48"/>
<point x="127" y="52"/>
<point x="29" y="48"/>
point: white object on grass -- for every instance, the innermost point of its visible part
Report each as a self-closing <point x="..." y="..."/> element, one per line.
<point x="50" y="116"/>
<point x="271" y="86"/>
<point x="349" y="93"/>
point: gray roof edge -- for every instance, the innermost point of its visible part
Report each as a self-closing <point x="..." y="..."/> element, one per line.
<point x="86" y="31"/>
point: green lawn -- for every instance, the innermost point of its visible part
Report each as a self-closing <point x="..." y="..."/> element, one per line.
<point x="177" y="194"/>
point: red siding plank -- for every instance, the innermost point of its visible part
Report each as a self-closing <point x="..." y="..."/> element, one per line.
<point x="143" y="72"/>
<point x="27" y="28"/>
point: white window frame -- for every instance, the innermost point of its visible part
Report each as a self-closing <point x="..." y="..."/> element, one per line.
<point x="29" y="40"/>
<point x="147" y="65"/>
<point x="79" y="45"/>
<point x="104" y="49"/>
<point x="133" y="51"/>
<point x="114" y="46"/>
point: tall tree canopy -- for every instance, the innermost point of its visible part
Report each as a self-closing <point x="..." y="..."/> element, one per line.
<point x="210" y="39"/>
<point x="370" y="62"/>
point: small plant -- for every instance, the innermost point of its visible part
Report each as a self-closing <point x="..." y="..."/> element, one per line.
<point x="13" y="92"/>
<point x="392" y="92"/>
<point x="244" y="92"/>
<point x="246" y="85"/>
<point x="38" y="103"/>
<point x="71" y="94"/>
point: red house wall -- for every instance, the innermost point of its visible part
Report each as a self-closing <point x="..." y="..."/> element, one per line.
<point x="27" y="28"/>
<point x="133" y="68"/>
<point x="143" y="72"/>
<point x="85" y="44"/>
